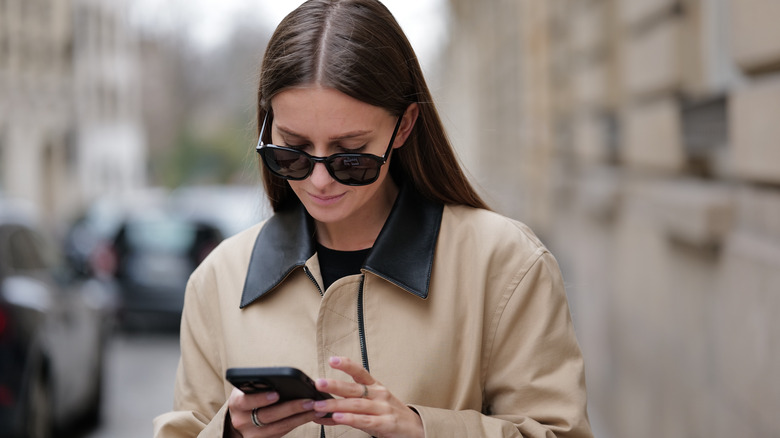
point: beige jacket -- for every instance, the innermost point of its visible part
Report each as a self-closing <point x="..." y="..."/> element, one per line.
<point x="461" y="313"/>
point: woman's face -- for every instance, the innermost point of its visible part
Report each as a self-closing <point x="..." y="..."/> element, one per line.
<point x="322" y="122"/>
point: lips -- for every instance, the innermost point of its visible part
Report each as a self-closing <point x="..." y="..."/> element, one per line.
<point x="326" y="199"/>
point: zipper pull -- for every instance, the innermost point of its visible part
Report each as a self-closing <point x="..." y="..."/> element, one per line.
<point x="313" y="280"/>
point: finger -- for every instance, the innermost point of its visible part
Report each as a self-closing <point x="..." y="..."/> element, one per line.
<point x="283" y="426"/>
<point x="247" y="402"/>
<point x="281" y="411"/>
<point x="354" y="369"/>
<point x="368" y="423"/>
<point x="353" y="405"/>
<point x="280" y="416"/>
<point x="402" y="423"/>
<point x="240" y="404"/>
<point x="343" y="389"/>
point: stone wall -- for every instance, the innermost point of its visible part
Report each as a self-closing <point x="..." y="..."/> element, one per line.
<point x="70" y="121"/>
<point x="661" y="180"/>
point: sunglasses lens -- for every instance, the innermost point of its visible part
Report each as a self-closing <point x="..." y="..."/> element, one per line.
<point x="287" y="163"/>
<point x="355" y="170"/>
<point x="349" y="169"/>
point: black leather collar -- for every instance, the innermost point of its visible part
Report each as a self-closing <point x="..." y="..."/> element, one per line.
<point x="402" y="254"/>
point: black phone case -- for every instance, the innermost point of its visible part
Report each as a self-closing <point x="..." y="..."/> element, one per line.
<point x="290" y="383"/>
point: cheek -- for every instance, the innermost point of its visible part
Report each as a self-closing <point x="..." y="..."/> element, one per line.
<point x="296" y="187"/>
<point x="369" y="193"/>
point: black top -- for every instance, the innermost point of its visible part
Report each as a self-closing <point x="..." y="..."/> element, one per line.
<point x="336" y="264"/>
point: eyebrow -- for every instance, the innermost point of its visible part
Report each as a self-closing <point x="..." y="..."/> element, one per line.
<point x="345" y="136"/>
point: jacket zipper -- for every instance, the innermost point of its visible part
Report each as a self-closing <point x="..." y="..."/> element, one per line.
<point x="362" y="325"/>
<point x="311" y="277"/>
<point x="361" y="319"/>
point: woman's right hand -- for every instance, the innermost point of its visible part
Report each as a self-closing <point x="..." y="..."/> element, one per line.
<point x="275" y="420"/>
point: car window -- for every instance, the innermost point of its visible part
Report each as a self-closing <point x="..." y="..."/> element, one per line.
<point x="27" y="251"/>
<point x="5" y="255"/>
<point x="160" y="235"/>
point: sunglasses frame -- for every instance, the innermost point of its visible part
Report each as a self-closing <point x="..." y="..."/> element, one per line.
<point x="325" y="160"/>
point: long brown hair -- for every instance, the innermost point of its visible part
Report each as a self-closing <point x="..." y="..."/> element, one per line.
<point x="358" y="48"/>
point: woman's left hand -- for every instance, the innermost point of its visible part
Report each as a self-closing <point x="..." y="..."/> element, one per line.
<point x="366" y="404"/>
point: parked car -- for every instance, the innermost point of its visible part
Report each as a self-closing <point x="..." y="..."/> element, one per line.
<point x="53" y="330"/>
<point x="89" y="236"/>
<point x="150" y="242"/>
<point x="155" y="252"/>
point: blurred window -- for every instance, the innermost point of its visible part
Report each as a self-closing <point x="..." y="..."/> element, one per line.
<point x="160" y="235"/>
<point x="4" y="39"/>
<point x="705" y="125"/>
<point x="24" y="252"/>
<point x="5" y="255"/>
<point x="2" y="133"/>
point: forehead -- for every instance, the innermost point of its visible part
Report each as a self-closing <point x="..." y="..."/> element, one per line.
<point x="325" y="111"/>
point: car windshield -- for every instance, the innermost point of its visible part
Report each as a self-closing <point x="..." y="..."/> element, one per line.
<point x="163" y="235"/>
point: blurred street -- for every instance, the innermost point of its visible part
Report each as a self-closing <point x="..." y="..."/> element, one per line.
<point x="140" y="372"/>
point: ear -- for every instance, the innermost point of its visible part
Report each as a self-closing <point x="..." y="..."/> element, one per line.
<point x="407" y="123"/>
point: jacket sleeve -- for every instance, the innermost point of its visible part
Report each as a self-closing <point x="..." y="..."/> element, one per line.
<point x="200" y="402"/>
<point x="534" y="384"/>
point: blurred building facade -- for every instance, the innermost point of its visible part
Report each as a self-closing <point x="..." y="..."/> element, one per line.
<point x="641" y="140"/>
<point x="70" y="121"/>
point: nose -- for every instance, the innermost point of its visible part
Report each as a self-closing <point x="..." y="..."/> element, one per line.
<point x="319" y="176"/>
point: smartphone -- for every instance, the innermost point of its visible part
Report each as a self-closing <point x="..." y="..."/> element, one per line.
<point x="290" y="383"/>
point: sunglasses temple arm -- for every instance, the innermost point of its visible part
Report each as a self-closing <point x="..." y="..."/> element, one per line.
<point x="262" y="131"/>
<point x="392" y="138"/>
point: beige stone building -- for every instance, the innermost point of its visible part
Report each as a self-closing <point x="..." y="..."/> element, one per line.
<point x="641" y="140"/>
<point x="70" y="127"/>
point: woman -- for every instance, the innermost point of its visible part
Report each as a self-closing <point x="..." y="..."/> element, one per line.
<point x="380" y="264"/>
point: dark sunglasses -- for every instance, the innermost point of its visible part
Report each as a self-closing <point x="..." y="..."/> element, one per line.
<point x="350" y="169"/>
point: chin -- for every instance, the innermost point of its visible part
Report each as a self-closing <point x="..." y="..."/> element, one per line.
<point x="324" y="214"/>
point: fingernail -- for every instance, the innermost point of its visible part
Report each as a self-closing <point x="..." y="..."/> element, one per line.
<point x="272" y="396"/>
<point x="320" y="414"/>
<point x="322" y="383"/>
<point x="319" y="405"/>
<point x="308" y="405"/>
<point x="338" y="417"/>
<point x="335" y="360"/>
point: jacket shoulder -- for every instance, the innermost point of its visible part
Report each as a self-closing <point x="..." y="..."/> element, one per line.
<point x="489" y="228"/>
